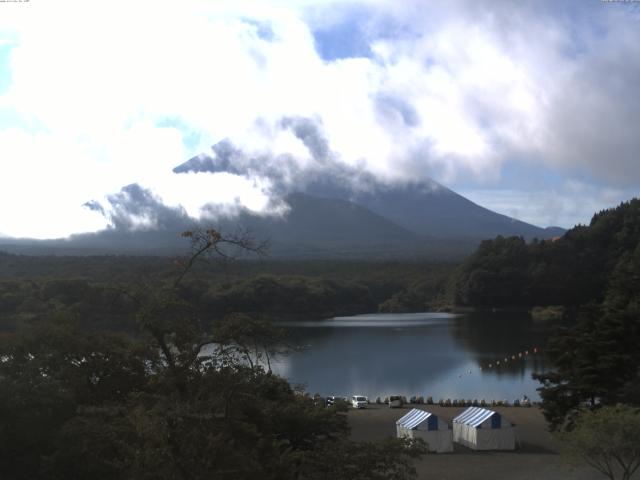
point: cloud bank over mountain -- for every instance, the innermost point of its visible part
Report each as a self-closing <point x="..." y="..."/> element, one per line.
<point x="475" y="95"/>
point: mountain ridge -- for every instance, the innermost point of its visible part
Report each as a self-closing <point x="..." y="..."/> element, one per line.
<point x="425" y="207"/>
<point x="318" y="227"/>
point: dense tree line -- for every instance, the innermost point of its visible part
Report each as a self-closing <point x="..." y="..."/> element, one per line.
<point x="31" y="287"/>
<point x="597" y="360"/>
<point x="26" y="302"/>
<point x="172" y="401"/>
<point x="571" y="270"/>
<point x="596" y="268"/>
<point x="429" y="292"/>
<point x="101" y="304"/>
<point x="290" y="295"/>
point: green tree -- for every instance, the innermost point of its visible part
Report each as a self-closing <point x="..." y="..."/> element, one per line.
<point x="597" y="361"/>
<point x="607" y="439"/>
<point x="76" y="402"/>
<point x="390" y="459"/>
<point x="51" y="372"/>
<point x="257" y="341"/>
<point x="572" y="270"/>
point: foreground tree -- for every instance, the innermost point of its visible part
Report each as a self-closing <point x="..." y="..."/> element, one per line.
<point x="593" y="362"/>
<point x="597" y="361"/>
<point x="77" y="403"/>
<point x="607" y="439"/>
<point x="390" y="459"/>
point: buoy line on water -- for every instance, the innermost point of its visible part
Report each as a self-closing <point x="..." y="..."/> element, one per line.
<point x="516" y="356"/>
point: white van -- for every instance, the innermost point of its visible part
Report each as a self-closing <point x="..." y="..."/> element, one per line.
<point x="358" y="401"/>
<point x="395" y="401"/>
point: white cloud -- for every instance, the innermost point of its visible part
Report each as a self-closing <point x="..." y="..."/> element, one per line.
<point x="92" y="82"/>
<point x="47" y="182"/>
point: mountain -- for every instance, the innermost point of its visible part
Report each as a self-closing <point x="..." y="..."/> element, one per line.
<point x="330" y="227"/>
<point x="429" y="208"/>
<point x="328" y="220"/>
<point x="425" y="207"/>
<point x="313" y="227"/>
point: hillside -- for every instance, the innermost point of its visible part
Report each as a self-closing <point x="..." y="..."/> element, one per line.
<point x="425" y="208"/>
<point x="313" y="227"/>
<point x="573" y="270"/>
<point x="434" y="210"/>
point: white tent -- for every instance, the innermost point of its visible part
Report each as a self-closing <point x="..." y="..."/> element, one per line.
<point x="427" y="426"/>
<point x="482" y="429"/>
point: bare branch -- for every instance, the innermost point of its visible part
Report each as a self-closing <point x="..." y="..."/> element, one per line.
<point x="204" y="241"/>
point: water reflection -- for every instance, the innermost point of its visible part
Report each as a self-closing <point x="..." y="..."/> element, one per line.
<point x="435" y="354"/>
<point x="382" y="320"/>
<point x="491" y="337"/>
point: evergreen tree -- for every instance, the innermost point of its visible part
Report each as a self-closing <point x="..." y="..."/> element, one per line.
<point x="597" y="361"/>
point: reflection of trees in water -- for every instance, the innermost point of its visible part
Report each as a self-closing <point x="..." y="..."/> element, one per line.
<point x="430" y="360"/>
<point x="380" y="360"/>
<point x="490" y="337"/>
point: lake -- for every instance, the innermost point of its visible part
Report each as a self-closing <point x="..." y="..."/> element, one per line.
<point x="441" y="355"/>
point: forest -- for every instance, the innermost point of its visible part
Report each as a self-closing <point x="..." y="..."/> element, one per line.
<point x="570" y="270"/>
<point x="33" y="287"/>
<point x="129" y="393"/>
<point x="101" y="357"/>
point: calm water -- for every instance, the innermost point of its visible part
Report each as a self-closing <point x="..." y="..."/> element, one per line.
<point x="437" y="354"/>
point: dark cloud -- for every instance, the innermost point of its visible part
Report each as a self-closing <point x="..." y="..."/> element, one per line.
<point x="95" y="206"/>
<point x="309" y="133"/>
<point x="134" y="207"/>
<point x="327" y="175"/>
<point x="226" y="158"/>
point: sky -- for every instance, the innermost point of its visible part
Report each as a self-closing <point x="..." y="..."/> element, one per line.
<point x="531" y="109"/>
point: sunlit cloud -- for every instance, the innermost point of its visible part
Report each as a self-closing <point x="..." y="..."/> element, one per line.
<point x="108" y="94"/>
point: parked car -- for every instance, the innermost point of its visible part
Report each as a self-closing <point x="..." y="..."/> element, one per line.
<point x="358" y="401"/>
<point x="395" y="401"/>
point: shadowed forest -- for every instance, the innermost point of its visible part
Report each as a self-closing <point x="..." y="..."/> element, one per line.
<point x="101" y="356"/>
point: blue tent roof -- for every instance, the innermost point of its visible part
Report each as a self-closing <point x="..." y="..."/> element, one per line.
<point x="416" y="417"/>
<point x="475" y="416"/>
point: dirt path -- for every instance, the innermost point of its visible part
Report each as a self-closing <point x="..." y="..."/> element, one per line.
<point x="536" y="458"/>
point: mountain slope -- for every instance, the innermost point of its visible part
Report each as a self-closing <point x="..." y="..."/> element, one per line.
<point x="313" y="227"/>
<point x="317" y="226"/>
<point x="424" y="207"/>
<point x="429" y="208"/>
<point x="419" y="219"/>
